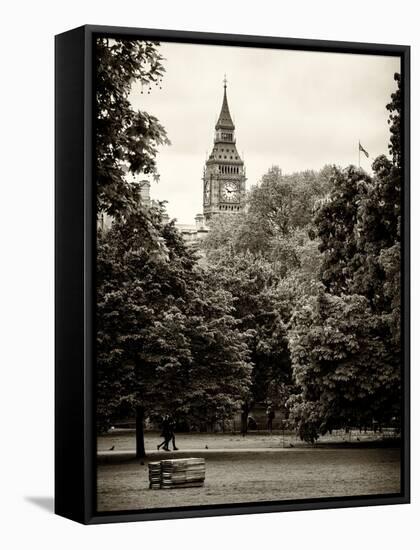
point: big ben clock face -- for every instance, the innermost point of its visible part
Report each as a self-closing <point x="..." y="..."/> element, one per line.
<point x="230" y="191"/>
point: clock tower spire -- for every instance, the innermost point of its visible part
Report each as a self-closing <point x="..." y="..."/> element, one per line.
<point x="224" y="172"/>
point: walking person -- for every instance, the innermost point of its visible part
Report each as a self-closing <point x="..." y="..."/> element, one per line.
<point x="270" y="417"/>
<point x="168" y="434"/>
<point x="172" y="433"/>
<point x="165" y="433"/>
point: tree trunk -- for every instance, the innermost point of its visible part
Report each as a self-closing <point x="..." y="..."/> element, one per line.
<point x="140" y="448"/>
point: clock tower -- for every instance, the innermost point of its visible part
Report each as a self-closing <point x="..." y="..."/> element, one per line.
<point x="224" y="172"/>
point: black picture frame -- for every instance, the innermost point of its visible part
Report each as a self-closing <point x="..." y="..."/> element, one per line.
<point x="75" y="233"/>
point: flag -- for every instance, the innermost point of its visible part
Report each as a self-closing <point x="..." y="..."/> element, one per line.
<point x="363" y="150"/>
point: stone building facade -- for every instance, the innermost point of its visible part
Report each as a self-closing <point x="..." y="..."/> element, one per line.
<point x="193" y="233"/>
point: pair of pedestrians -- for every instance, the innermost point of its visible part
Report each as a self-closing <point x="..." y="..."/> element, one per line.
<point x="168" y="434"/>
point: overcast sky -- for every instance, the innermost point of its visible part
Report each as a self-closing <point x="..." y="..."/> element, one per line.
<point x="299" y="110"/>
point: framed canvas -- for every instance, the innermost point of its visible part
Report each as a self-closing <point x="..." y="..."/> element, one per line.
<point x="232" y="274"/>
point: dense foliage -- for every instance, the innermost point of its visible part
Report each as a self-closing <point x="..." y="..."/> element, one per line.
<point x="159" y="323"/>
<point x="266" y="259"/>
<point x="345" y="340"/>
<point x="167" y="339"/>
<point x="126" y="140"/>
<point x="295" y="301"/>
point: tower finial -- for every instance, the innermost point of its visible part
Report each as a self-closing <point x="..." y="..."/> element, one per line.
<point x="225" y="120"/>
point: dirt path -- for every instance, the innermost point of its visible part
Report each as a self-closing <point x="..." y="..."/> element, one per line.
<point x="124" y="440"/>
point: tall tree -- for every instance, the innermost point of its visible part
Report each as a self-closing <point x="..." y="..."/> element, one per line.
<point x="126" y="139"/>
<point x="336" y="224"/>
<point x="261" y="307"/>
<point x="284" y="203"/>
<point x="266" y="260"/>
<point x="345" y="342"/>
<point x="343" y="365"/>
<point x="394" y="107"/>
<point x="160" y="326"/>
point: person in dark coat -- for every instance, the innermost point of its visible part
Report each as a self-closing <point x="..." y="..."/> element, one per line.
<point x="168" y="427"/>
<point x="270" y="417"/>
<point x="165" y="433"/>
<point x="172" y="433"/>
